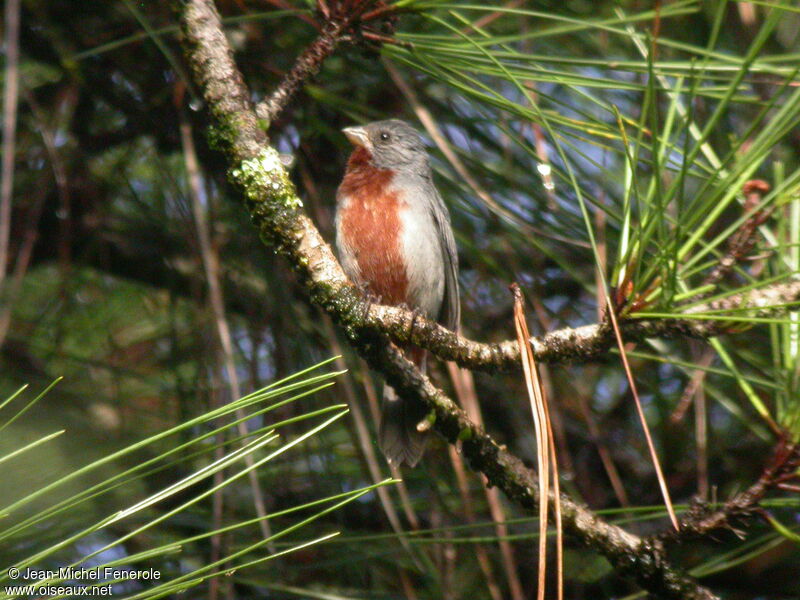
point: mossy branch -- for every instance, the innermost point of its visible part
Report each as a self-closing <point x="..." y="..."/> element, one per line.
<point x="276" y="210"/>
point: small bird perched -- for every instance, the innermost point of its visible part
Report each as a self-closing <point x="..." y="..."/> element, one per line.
<point x="394" y="239"/>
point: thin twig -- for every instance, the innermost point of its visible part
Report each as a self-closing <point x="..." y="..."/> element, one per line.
<point x="464" y="385"/>
<point x="701" y="441"/>
<point x="308" y="65"/>
<point x="700" y="520"/>
<point x="23" y="257"/>
<point x="402" y="489"/>
<point x="695" y="383"/>
<point x="605" y="454"/>
<point x="741" y="243"/>
<point x="217" y="300"/>
<point x="490" y="18"/>
<point x="469" y="513"/>
<point x="10" y="103"/>
<point x="367" y="449"/>
<point x="27" y="240"/>
<point x="344" y="21"/>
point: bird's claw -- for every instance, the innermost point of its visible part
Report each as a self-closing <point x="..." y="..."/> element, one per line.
<point x="415" y="314"/>
<point x="370" y="299"/>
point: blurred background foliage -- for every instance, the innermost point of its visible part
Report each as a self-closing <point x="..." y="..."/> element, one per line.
<point x="564" y="135"/>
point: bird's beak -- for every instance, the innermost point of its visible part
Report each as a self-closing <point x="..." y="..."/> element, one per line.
<point x="357" y="136"/>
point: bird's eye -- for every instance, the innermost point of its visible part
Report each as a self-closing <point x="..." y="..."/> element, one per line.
<point x="384" y="136"/>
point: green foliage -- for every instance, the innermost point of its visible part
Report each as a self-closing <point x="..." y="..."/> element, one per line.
<point x="188" y="467"/>
<point x="607" y="145"/>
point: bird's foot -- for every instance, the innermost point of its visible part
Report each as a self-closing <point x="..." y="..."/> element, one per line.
<point x="370" y="299"/>
<point x="416" y="313"/>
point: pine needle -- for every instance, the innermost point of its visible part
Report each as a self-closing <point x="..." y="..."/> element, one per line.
<point x="545" y="447"/>
<point x="653" y="455"/>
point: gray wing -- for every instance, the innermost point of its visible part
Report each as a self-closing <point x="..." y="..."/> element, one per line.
<point x="450" y="314"/>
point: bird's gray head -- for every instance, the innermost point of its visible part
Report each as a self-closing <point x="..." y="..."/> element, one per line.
<point x="391" y="144"/>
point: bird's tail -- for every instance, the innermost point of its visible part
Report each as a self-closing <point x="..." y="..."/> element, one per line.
<point x="398" y="436"/>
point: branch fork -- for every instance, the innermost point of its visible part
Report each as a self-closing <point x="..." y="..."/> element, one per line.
<point x="354" y="21"/>
<point x="276" y="211"/>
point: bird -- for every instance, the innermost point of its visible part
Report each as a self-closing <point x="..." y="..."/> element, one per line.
<point x="395" y="241"/>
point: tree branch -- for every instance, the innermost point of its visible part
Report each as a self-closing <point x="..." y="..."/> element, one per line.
<point x="402" y="326"/>
<point x="344" y="20"/>
<point x="701" y="520"/>
<point x="275" y="208"/>
<point x="307" y="65"/>
<point x="574" y="344"/>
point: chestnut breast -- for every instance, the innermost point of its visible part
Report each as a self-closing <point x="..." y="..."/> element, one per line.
<point x="369" y="229"/>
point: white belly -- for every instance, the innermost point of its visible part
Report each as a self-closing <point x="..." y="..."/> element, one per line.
<point x="424" y="261"/>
